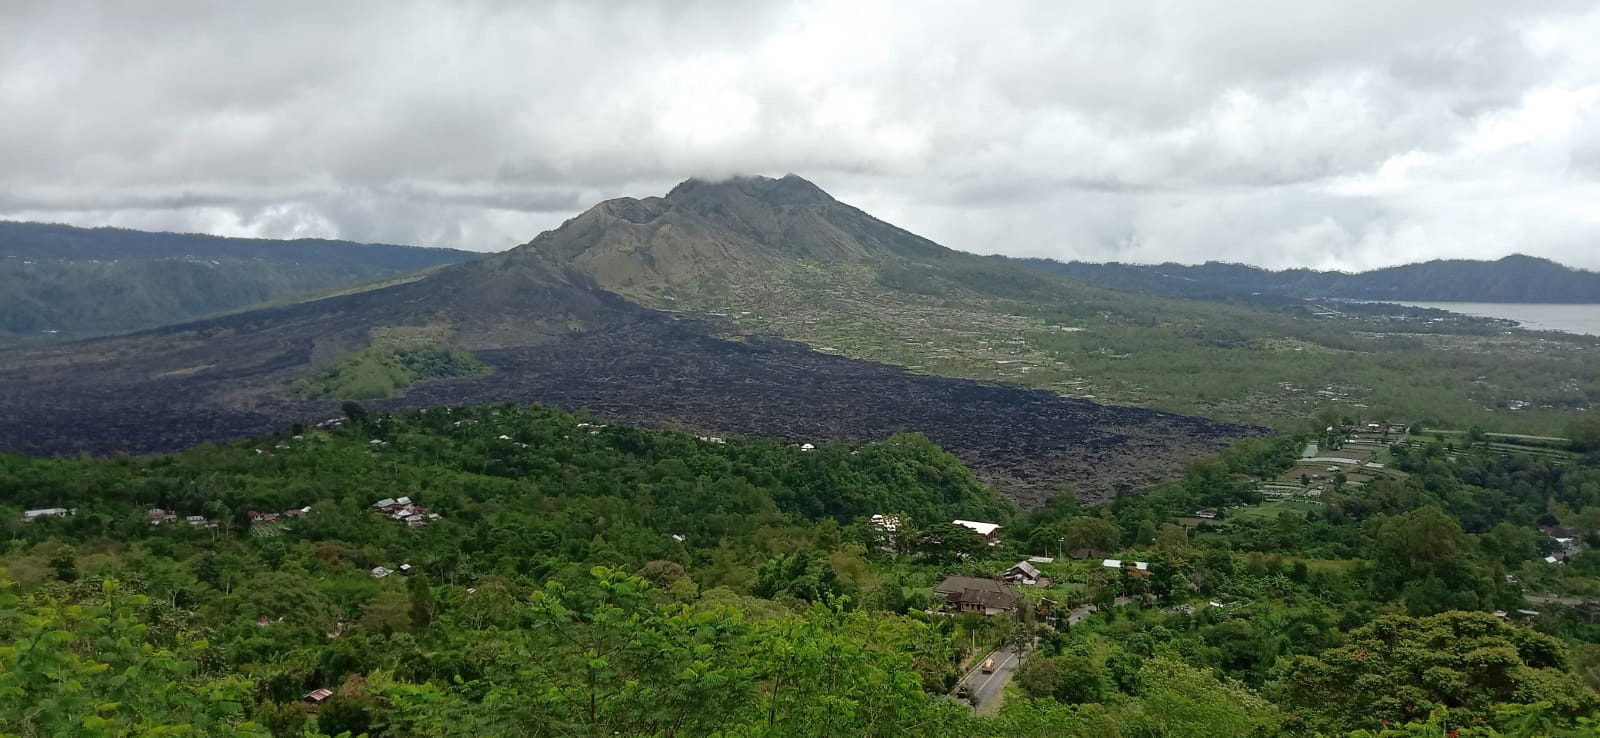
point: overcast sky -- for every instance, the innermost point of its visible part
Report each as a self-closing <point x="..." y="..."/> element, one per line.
<point x="1325" y="133"/>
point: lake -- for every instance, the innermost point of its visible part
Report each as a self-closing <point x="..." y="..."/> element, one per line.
<point x="1533" y="316"/>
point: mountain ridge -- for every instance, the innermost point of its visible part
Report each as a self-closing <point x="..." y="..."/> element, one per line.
<point x="717" y="232"/>
<point x="60" y="282"/>
<point x="1512" y="278"/>
<point x="555" y="322"/>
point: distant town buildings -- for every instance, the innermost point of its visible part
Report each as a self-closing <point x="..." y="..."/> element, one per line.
<point x="406" y="511"/>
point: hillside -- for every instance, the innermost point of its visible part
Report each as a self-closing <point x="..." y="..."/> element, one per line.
<point x="465" y="572"/>
<point x="59" y="282"/>
<point x="781" y="256"/>
<point x="1514" y="278"/>
<point x="544" y="331"/>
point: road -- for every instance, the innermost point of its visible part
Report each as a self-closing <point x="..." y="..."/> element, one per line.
<point x="1552" y="600"/>
<point x="1082" y="611"/>
<point x="984" y="690"/>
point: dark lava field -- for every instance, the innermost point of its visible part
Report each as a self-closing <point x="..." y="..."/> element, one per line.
<point x="653" y="371"/>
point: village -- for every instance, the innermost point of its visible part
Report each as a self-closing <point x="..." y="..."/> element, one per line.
<point x="1060" y="591"/>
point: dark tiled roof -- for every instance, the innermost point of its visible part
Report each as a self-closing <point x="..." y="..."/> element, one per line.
<point x="976" y="591"/>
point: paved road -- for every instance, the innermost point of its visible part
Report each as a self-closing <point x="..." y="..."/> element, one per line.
<point x="1553" y="600"/>
<point x="984" y="690"/>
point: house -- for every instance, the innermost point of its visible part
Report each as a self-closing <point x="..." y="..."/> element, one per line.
<point x="1023" y="573"/>
<point x="1564" y="536"/>
<point x="1552" y="560"/>
<point x="987" y="530"/>
<point x="157" y="516"/>
<point x="379" y="572"/>
<point x="971" y="594"/>
<point x="1588" y="610"/>
<point x="384" y="503"/>
<point x="1041" y="560"/>
<point x="1140" y="567"/>
<point x="1528" y="616"/>
<point x="317" y="696"/>
<point x="196" y="520"/>
<point x="890" y="523"/>
<point x="29" y="516"/>
<point x="1206" y="514"/>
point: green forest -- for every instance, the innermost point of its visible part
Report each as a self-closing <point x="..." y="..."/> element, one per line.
<point x="524" y="571"/>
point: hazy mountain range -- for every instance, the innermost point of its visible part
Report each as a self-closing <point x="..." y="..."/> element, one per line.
<point x="1515" y="278"/>
<point x="60" y="282"/>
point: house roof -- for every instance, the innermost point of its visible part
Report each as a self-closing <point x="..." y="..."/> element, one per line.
<point x="318" y="695"/>
<point x="1112" y="563"/>
<point x="43" y="512"/>
<point x="1023" y="567"/>
<point x="976" y="591"/>
<point x="983" y="529"/>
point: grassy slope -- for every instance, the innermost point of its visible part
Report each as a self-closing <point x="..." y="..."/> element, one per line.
<point x="965" y="317"/>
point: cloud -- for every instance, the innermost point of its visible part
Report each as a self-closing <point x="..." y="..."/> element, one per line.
<point x="1347" y="134"/>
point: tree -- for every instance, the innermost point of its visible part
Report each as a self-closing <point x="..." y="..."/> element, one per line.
<point x="1398" y="668"/>
<point x="1583" y="435"/>
<point x="946" y="542"/>
<point x="387" y="613"/>
<point x="65" y="564"/>
<point x="423" y="604"/>
<point x="1172" y="539"/>
<point x="1093" y="533"/>
<point x="67" y="665"/>
<point x="341" y="715"/>
<point x="1423" y="556"/>
<point x="355" y="412"/>
<point x="1146" y="533"/>
<point x="1083" y="678"/>
<point x="1040" y="676"/>
<point x="1287" y="531"/>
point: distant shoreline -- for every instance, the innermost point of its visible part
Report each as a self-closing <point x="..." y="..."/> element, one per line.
<point x="1578" y="318"/>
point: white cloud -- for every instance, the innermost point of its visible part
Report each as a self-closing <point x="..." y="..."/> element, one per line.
<point x="1334" y="134"/>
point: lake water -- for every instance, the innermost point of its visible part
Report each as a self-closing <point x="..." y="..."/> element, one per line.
<point x="1533" y="316"/>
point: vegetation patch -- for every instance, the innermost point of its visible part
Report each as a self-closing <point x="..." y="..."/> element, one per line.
<point x="391" y="364"/>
